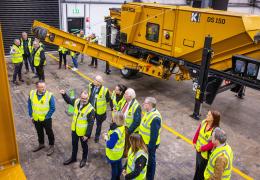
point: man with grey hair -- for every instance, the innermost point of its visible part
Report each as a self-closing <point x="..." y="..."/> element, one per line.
<point x="17" y="59"/>
<point x="132" y="112"/>
<point x="27" y="47"/>
<point x="221" y="159"/>
<point x="150" y="130"/>
<point x="99" y="97"/>
<point x="81" y="126"/>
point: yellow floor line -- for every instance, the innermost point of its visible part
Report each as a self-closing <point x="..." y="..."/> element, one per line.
<point x="164" y="125"/>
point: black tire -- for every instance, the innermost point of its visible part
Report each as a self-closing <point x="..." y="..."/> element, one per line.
<point x="127" y="73"/>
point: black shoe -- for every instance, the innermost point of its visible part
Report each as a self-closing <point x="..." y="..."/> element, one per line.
<point x="90" y="65"/>
<point x="41" y="146"/>
<point x="82" y="163"/>
<point x="96" y="140"/>
<point x="35" y="76"/>
<point x="108" y="71"/>
<point x="16" y="83"/>
<point x="21" y="80"/>
<point x="69" y="161"/>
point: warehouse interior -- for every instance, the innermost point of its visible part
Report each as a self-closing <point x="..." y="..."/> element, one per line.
<point x="191" y="68"/>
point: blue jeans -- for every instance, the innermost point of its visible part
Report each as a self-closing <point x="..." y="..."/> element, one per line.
<point x="75" y="62"/>
<point x="151" y="163"/>
<point x="116" y="169"/>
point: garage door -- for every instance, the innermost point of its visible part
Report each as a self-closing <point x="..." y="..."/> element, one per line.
<point x="17" y="16"/>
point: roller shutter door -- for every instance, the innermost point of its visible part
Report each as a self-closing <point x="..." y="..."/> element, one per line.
<point x="17" y="16"/>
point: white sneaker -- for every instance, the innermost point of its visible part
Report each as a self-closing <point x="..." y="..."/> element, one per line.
<point x="75" y="69"/>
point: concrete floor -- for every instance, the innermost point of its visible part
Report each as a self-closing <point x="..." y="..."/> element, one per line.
<point x="175" y="157"/>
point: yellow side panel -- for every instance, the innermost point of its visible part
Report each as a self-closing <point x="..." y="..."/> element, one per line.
<point x="220" y="27"/>
<point x="9" y="162"/>
<point x="12" y="173"/>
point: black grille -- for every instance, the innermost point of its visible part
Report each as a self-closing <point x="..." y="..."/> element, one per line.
<point x="17" y="16"/>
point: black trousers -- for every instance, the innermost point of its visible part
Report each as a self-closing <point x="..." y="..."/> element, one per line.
<point x="201" y="165"/>
<point x="99" y="120"/>
<point x="17" y="71"/>
<point x="47" y="125"/>
<point x="28" y="62"/>
<point x="62" y="56"/>
<point x="40" y="72"/>
<point x="75" y="141"/>
<point x="94" y="61"/>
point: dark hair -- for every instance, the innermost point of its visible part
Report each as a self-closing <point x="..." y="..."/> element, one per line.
<point x="122" y="88"/>
<point x="216" y="118"/>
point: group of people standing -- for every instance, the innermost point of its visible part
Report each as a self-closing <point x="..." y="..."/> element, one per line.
<point x="31" y="53"/>
<point x="134" y="131"/>
<point x="131" y="135"/>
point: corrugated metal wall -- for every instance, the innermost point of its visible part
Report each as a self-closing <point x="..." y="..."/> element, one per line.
<point x="17" y="16"/>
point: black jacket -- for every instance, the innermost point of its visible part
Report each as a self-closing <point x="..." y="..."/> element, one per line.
<point x="90" y="116"/>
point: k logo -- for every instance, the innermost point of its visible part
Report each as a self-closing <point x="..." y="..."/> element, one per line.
<point x="195" y="17"/>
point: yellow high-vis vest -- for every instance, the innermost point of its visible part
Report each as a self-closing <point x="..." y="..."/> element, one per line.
<point x="101" y="103"/>
<point x="62" y="50"/>
<point x="131" y="163"/>
<point x="37" y="58"/>
<point x="203" y="139"/>
<point x="145" y="126"/>
<point x="228" y="153"/>
<point x="80" y="122"/>
<point x="116" y="104"/>
<point x="41" y="107"/>
<point x="117" y="152"/>
<point x="17" y="57"/>
<point x="30" y="47"/>
<point x="129" y="118"/>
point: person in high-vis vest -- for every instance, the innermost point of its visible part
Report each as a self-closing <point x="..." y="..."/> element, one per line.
<point x="99" y="97"/>
<point x="27" y="47"/>
<point x="93" y="39"/>
<point x="202" y="142"/>
<point x="17" y="59"/>
<point x="117" y="96"/>
<point x="220" y="162"/>
<point x="41" y="106"/>
<point x="115" y="142"/>
<point x="39" y="59"/>
<point x="136" y="166"/>
<point x="74" y="58"/>
<point x="81" y="34"/>
<point x="62" y="54"/>
<point x="150" y="130"/>
<point x="132" y="112"/>
<point x="81" y="126"/>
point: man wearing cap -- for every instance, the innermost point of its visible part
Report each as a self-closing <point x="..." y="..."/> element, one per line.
<point x="99" y="97"/>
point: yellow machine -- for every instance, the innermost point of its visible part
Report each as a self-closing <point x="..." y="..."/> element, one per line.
<point x="10" y="168"/>
<point x="163" y="39"/>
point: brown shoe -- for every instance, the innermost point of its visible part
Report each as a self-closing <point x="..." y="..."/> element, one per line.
<point x="41" y="146"/>
<point x="90" y="65"/>
<point x="50" y="150"/>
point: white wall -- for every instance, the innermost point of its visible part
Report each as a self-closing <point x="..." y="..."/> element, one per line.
<point x="247" y="10"/>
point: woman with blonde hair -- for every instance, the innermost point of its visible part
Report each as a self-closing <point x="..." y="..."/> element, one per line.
<point x="115" y="144"/>
<point x="137" y="158"/>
